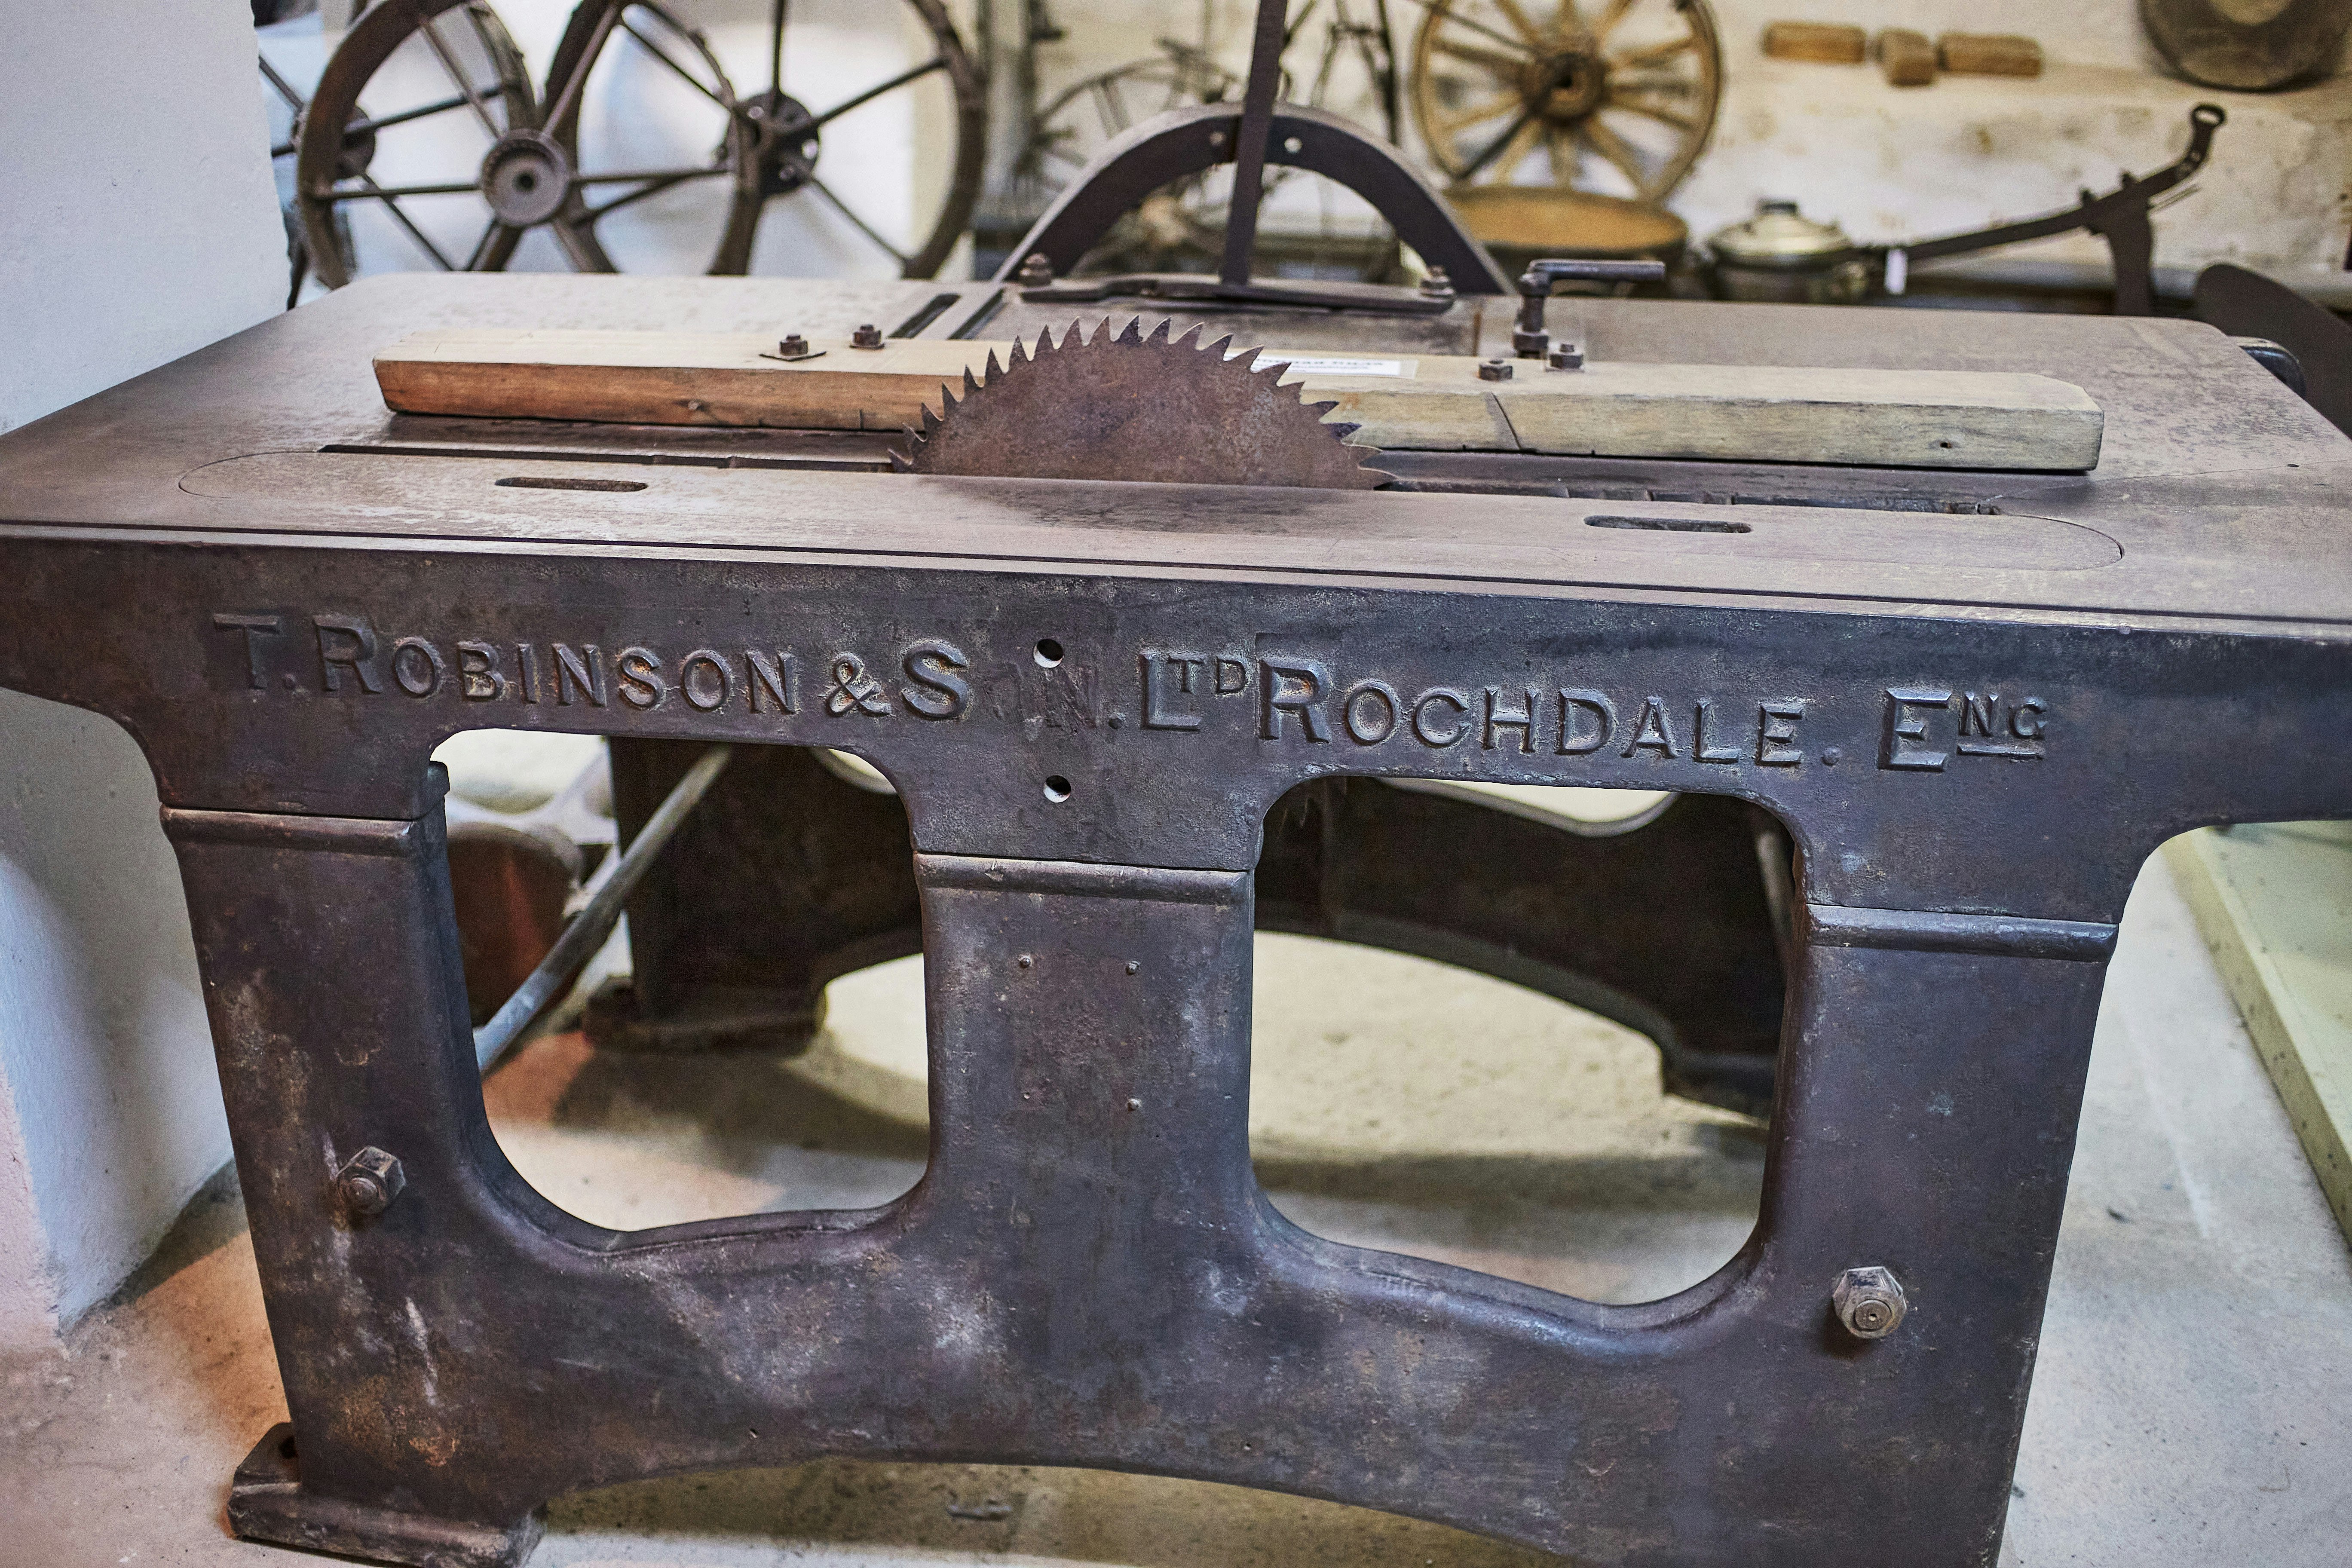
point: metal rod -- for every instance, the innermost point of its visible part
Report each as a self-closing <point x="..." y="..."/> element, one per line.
<point x="936" y="62"/>
<point x="588" y="928"/>
<point x="1250" y="139"/>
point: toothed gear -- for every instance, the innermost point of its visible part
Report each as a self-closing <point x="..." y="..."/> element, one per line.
<point x="1133" y="407"/>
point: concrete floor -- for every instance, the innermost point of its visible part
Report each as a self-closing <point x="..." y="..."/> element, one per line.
<point x="2193" y="1403"/>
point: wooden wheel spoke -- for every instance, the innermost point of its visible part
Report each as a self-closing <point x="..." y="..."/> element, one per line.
<point x="1612" y="146"/>
<point x="1451" y="123"/>
<point x="1440" y="14"/>
<point x="1514" y="151"/>
<point x="1611" y="18"/>
<point x="1528" y="29"/>
<point x="1495" y="60"/>
<point x="1653" y="54"/>
<point x="1560" y="146"/>
<point x="1651" y="110"/>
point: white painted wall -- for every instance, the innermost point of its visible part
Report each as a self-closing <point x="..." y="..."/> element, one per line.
<point x="136" y="224"/>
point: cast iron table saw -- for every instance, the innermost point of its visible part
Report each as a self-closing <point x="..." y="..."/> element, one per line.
<point x="1956" y="709"/>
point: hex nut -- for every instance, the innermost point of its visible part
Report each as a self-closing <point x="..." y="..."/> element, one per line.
<point x="369" y="1181"/>
<point x="869" y="336"/>
<point x="1566" y="356"/>
<point x="1036" y="271"/>
<point x="794" y="346"/>
<point x="1869" y="1301"/>
<point x="1495" y="369"/>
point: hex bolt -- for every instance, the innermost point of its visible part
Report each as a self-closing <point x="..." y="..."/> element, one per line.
<point x="369" y="1181"/>
<point x="869" y="336"/>
<point x="1567" y="356"/>
<point x="1869" y="1301"/>
<point x="1495" y="369"/>
<point x="1436" y="285"/>
<point x="1036" y="270"/>
<point x="794" y="346"/>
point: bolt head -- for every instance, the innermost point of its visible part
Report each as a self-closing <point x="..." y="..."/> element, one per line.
<point x="1869" y="1301"/>
<point x="869" y="336"/>
<point x="793" y="344"/>
<point x="369" y="1181"/>
<point x="1035" y="270"/>
<point x="1495" y="369"/>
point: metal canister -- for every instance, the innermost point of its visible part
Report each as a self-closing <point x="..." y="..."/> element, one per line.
<point x="1782" y="256"/>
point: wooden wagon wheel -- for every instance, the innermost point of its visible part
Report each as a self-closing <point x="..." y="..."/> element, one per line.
<point x="1613" y="96"/>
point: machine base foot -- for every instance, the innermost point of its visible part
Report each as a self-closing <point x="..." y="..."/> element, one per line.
<point x="267" y="1502"/>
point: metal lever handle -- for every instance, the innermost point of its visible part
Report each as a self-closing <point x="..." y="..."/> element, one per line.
<point x="1528" y="339"/>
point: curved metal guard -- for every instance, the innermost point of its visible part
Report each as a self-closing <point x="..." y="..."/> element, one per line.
<point x="1186" y="142"/>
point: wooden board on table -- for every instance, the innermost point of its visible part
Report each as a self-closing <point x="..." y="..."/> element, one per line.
<point x="1918" y="418"/>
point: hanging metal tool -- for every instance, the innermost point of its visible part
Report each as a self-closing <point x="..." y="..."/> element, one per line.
<point x="2120" y="218"/>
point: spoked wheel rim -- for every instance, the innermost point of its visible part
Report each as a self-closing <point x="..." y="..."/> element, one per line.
<point x="338" y="143"/>
<point x="776" y="138"/>
<point x="1620" y="102"/>
<point x="679" y="55"/>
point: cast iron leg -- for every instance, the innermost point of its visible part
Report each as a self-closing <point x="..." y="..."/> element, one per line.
<point x="338" y="1011"/>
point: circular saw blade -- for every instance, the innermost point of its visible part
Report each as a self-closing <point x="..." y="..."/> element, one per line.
<point x="1137" y="408"/>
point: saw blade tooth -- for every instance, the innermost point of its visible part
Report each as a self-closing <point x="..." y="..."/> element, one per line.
<point x="1258" y="364"/>
<point x="1158" y="337"/>
<point x="900" y="463"/>
<point x="1016" y="357"/>
<point x="1132" y="334"/>
<point x="1101" y="339"/>
<point x="1222" y="348"/>
<point x="930" y="422"/>
<point x="947" y="400"/>
<point x="970" y="385"/>
<point x="1191" y="338"/>
<point x="1318" y="409"/>
<point x="995" y="368"/>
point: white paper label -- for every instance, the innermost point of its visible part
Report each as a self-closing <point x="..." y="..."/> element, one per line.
<point x="1321" y="365"/>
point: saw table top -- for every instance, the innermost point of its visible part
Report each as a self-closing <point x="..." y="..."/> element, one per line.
<point x="2218" y="496"/>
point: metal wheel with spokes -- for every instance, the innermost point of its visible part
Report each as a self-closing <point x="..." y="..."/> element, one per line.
<point x="1620" y="104"/>
<point x="422" y="69"/>
<point x="777" y="141"/>
<point x="566" y="159"/>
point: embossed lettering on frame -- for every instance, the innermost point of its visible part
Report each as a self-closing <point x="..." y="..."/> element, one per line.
<point x="581" y="672"/>
<point x="346" y="642"/>
<point x="772" y="677"/>
<point x="1292" y="688"/>
<point x="478" y="679"/>
<point x="1173" y="685"/>
<point x="255" y="628"/>
<point x="1901" y="744"/>
<point x="1989" y="725"/>
<point x="936" y="670"/>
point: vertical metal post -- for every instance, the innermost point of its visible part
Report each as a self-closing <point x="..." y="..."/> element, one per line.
<point x="1250" y="139"/>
